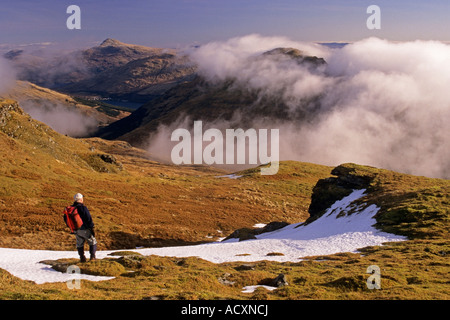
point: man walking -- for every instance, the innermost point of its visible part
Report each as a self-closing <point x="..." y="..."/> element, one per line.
<point x="86" y="232"/>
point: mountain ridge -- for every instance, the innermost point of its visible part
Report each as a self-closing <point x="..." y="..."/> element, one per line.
<point x="37" y="99"/>
<point x="43" y="168"/>
<point x="111" y="69"/>
<point x="199" y="99"/>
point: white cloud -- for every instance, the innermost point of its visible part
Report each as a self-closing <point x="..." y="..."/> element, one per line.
<point x="7" y="75"/>
<point x="61" y="119"/>
<point x="384" y="104"/>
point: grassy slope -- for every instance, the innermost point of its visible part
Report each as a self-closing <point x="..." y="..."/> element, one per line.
<point x="413" y="206"/>
<point x="136" y="202"/>
<point x="27" y="92"/>
<point x="146" y="203"/>
<point x="409" y="270"/>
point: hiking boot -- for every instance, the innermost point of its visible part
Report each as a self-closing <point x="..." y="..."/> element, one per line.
<point x="81" y="254"/>
<point x="92" y="250"/>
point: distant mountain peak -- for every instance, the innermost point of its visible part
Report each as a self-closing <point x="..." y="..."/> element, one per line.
<point x="293" y="52"/>
<point x="111" y="43"/>
<point x="299" y="55"/>
<point x="13" y="54"/>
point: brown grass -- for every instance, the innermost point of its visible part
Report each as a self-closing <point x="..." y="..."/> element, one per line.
<point x="134" y="202"/>
<point x="409" y="270"/>
<point x="144" y="203"/>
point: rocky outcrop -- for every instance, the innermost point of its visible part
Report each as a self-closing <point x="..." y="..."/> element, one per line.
<point x="6" y="107"/>
<point x="328" y="191"/>
<point x="279" y="281"/>
<point x="298" y="55"/>
<point x="7" y="125"/>
<point x="248" y="233"/>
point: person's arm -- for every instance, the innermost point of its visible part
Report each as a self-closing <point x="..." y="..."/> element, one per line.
<point x="89" y="219"/>
<point x="86" y="217"/>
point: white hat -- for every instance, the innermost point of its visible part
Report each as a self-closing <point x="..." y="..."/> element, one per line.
<point x="77" y="197"/>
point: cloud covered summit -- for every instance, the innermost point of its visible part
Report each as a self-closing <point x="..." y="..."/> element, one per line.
<point x="381" y="103"/>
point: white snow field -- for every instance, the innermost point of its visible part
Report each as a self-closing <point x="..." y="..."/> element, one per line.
<point x="327" y="235"/>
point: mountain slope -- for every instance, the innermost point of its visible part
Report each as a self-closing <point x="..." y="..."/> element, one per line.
<point x="131" y="72"/>
<point x="110" y="70"/>
<point x="227" y="102"/>
<point x="137" y="202"/>
<point x="134" y="201"/>
<point x="413" y="206"/>
<point x="409" y="269"/>
<point x="45" y="104"/>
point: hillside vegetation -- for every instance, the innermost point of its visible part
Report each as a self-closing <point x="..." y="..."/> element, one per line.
<point x="134" y="201"/>
<point x="138" y="202"/>
<point x="28" y="93"/>
<point x="413" y="206"/>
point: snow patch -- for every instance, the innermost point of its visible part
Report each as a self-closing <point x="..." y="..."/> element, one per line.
<point x="251" y="289"/>
<point x="259" y="225"/>
<point x="25" y="265"/>
<point x="344" y="227"/>
<point x="230" y="176"/>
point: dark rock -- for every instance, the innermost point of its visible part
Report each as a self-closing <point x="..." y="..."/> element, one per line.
<point x="224" y="280"/>
<point x="245" y="267"/>
<point x="328" y="191"/>
<point x="242" y="234"/>
<point x="413" y="280"/>
<point x="325" y="193"/>
<point x="247" y="233"/>
<point x="279" y="281"/>
<point x="108" y="158"/>
<point x="274" y="225"/>
<point x="59" y="265"/>
<point x="247" y="236"/>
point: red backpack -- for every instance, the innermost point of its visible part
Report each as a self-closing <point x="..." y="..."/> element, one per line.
<point x="72" y="218"/>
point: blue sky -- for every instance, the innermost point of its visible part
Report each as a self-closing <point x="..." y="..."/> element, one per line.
<point x="172" y="23"/>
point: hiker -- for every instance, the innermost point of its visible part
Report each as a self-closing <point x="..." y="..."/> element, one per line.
<point x="83" y="229"/>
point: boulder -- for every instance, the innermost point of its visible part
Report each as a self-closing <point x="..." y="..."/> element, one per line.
<point x="245" y="267"/>
<point x="247" y="233"/>
<point x="224" y="280"/>
<point x="279" y="281"/>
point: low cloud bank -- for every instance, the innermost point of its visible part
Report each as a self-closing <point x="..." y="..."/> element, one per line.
<point x="7" y="76"/>
<point x="380" y="103"/>
<point x="61" y="119"/>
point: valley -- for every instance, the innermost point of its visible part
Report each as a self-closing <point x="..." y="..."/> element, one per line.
<point x="137" y="202"/>
<point x="198" y="231"/>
